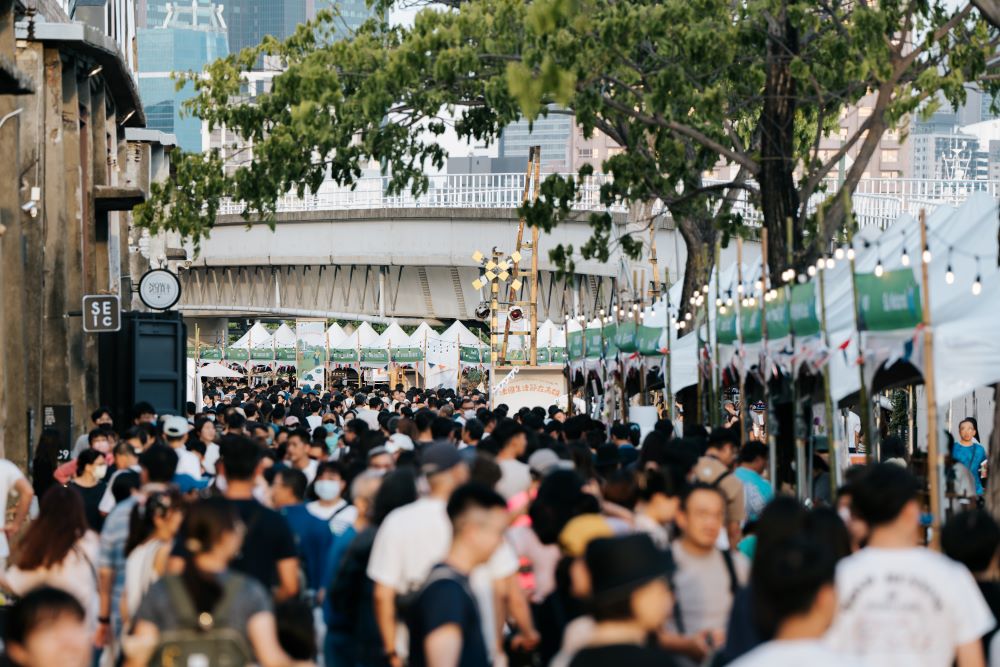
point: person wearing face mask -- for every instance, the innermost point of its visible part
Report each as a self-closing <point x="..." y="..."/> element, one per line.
<point x="91" y="468"/>
<point x="313" y="536"/>
<point x="329" y="505"/>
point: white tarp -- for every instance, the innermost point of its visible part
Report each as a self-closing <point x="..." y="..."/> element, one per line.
<point x="217" y="370"/>
<point x="284" y="337"/>
<point x="549" y="335"/>
<point x="393" y="336"/>
<point x="335" y="335"/>
<point x="257" y="338"/>
<point x="459" y="333"/>
<point x="363" y="336"/>
<point x="418" y="337"/>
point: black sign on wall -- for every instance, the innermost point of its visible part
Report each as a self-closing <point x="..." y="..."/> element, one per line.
<point x="102" y="313"/>
<point x="60" y="419"/>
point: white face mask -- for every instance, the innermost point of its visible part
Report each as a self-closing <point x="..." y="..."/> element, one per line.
<point x="470" y="414"/>
<point x="100" y="471"/>
<point x="327" y="489"/>
<point x="758" y="418"/>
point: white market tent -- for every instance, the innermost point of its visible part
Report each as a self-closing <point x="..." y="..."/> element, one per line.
<point x="363" y="336"/>
<point x="335" y="335"/>
<point x="393" y="336"/>
<point x="549" y="335"/>
<point x="217" y="370"/>
<point x="284" y="337"/>
<point x="459" y="333"/>
<point x="961" y="240"/>
<point x="417" y="337"/>
<point x="257" y="338"/>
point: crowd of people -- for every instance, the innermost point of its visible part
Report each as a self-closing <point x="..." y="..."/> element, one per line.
<point x="277" y="525"/>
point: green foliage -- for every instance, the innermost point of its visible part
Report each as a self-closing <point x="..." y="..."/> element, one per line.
<point x="678" y="84"/>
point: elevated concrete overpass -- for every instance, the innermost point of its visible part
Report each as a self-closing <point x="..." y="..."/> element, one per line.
<point x="362" y="254"/>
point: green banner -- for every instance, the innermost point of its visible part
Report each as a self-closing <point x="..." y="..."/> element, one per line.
<point x="889" y="302"/>
<point x="262" y="354"/>
<point x="803" y="310"/>
<point x="625" y="337"/>
<point x="574" y="345"/>
<point x="649" y="341"/>
<point x="211" y="353"/>
<point x="777" y="317"/>
<point x="285" y="354"/>
<point x="610" y="346"/>
<point x="237" y="354"/>
<point x="725" y="326"/>
<point x="343" y="356"/>
<point x="750" y="324"/>
<point x="372" y="355"/>
<point x="470" y="355"/>
<point x="407" y="355"/>
<point x="594" y="342"/>
<point x="543" y="355"/>
<point x="190" y="352"/>
<point x="557" y="355"/>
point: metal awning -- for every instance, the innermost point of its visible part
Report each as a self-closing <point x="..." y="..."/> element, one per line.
<point x="12" y="80"/>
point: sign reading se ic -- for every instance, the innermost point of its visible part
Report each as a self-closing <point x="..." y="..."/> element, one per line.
<point x="102" y="313"/>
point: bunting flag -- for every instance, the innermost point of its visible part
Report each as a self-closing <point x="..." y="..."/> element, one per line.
<point x="502" y="384"/>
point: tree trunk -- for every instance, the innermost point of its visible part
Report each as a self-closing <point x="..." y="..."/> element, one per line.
<point x="778" y="192"/>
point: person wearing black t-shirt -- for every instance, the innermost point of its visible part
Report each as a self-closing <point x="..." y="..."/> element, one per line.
<point x="268" y="553"/>
<point x="444" y="623"/>
<point x="630" y="601"/>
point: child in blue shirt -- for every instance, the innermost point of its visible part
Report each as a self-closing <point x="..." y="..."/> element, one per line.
<point x="969" y="452"/>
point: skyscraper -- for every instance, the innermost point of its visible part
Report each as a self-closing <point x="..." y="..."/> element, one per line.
<point x="190" y="37"/>
<point x="553" y="133"/>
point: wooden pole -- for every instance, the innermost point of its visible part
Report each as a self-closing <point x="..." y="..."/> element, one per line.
<point x="667" y="383"/>
<point x="831" y="441"/>
<point x="798" y="430"/>
<point x="425" y="359"/>
<point x="865" y="405"/>
<point x="744" y="410"/>
<point x="772" y="444"/>
<point x="935" y="458"/>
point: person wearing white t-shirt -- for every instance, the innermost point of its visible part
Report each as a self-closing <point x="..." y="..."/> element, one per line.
<point x="411" y="540"/>
<point x="175" y="430"/>
<point x="795" y="602"/>
<point x="331" y="506"/>
<point x="900" y="604"/>
<point x="12" y="479"/>
<point x="511" y="440"/>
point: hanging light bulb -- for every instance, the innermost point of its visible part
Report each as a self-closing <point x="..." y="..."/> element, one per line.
<point x="705" y="289"/>
<point x="642" y="315"/>
<point x="739" y="288"/>
<point x="949" y="275"/>
<point x="601" y="312"/>
<point x="729" y="302"/>
<point x="904" y="259"/>
<point x="682" y="324"/>
<point x="759" y="285"/>
<point x="791" y="275"/>
<point x="926" y="256"/>
<point x="635" y="306"/>
<point x="811" y="270"/>
<point x="839" y="253"/>
<point x="850" y="254"/>
<point x="687" y="316"/>
<point x="751" y="302"/>
<point x="977" y="287"/>
<point x="722" y="310"/>
<point x="830" y="263"/>
<point x="718" y="303"/>
<point x="878" y="269"/>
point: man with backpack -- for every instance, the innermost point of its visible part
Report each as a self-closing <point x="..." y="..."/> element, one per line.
<point x="714" y="469"/>
<point x="444" y="622"/>
<point x="706" y="579"/>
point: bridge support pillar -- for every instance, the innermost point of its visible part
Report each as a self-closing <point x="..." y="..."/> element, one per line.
<point x="212" y="331"/>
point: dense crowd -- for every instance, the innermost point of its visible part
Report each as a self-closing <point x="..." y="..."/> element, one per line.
<point x="278" y="525"/>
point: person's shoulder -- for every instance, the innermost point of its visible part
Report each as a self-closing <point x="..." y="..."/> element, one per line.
<point x="10" y="469"/>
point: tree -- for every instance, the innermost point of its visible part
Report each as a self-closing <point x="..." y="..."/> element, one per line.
<point x="682" y="85"/>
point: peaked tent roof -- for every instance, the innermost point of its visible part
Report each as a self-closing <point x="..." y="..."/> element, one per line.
<point x="335" y="335"/>
<point x="393" y="335"/>
<point x="363" y="336"/>
<point x="417" y="337"/>
<point x="459" y="333"/>
<point x="284" y="337"/>
<point x="549" y="335"/>
<point x="217" y="370"/>
<point x="257" y="336"/>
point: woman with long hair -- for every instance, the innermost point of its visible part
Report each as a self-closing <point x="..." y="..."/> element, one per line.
<point x="220" y="599"/>
<point x="152" y="528"/>
<point x="58" y="550"/>
<point x="91" y="469"/>
<point x="205" y="432"/>
<point x="45" y="462"/>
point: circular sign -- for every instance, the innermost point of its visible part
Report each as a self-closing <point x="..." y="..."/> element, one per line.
<point x="159" y="289"/>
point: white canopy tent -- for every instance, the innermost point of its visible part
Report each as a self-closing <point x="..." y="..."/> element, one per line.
<point x="363" y="336"/>
<point x="284" y="337"/>
<point x="335" y="335"/>
<point x="217" y="370"/>
<point x="257" y="338"/>
<point x="393" y="336"/>
<point x="422" y="332"/>
<point x="459" y="333"/>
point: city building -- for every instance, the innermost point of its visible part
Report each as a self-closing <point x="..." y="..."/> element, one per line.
<point x="74" y="168"/>
<point x="553" y="133"/>
<point x="191" y="37"/>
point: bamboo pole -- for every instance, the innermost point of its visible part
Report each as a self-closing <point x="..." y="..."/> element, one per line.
<point x="831" y="440"/>
<point x="717" y="361"/>
<point x="744" y="410"/>
<point x="801" y="480"/>
<point x="772" y="444"/>
<point x="935" y="458"/>
<point x="865" y="405"/>
<point x="425" y="359"/>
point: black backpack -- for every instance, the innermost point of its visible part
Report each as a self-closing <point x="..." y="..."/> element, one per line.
<point x="197" y="641"/>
